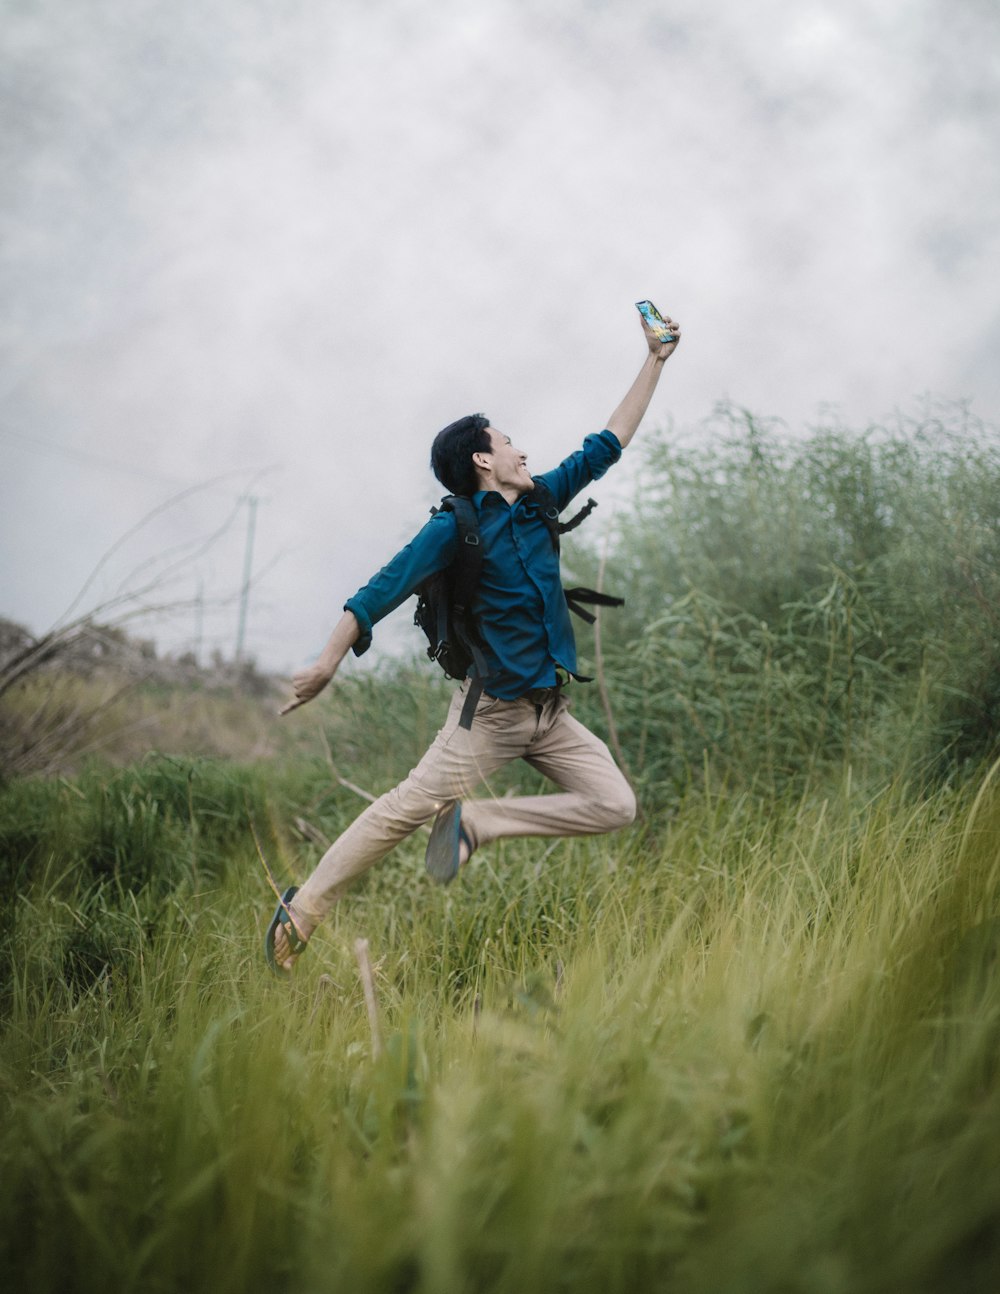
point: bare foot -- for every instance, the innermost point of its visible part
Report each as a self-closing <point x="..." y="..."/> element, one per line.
<point x="283" y="955"/>
<point x="466" y="835"/>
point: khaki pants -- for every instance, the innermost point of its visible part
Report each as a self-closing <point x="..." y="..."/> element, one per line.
<point x="593" y="797"/>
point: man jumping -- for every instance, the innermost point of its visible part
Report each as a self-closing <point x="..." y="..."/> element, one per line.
<point x="521" y="614"/>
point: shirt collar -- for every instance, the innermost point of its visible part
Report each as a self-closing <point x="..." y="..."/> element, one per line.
<point x="480" y="497"/>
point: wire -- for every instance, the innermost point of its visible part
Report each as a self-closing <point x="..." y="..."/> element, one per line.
<point x="98" y="460"/>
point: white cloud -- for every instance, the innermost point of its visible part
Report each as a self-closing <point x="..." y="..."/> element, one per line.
<point x="240" y="233"/>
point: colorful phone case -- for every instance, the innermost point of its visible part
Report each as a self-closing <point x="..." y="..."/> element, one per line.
<point x="655" y="320"/>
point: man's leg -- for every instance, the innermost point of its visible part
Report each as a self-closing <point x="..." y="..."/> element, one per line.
<point x="457" y="761"/>
<point x="595" y="796"/>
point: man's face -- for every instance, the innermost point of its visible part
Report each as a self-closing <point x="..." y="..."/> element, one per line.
<point x="507" y="464"/>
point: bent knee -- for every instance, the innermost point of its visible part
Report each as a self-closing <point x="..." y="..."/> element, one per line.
<point x="618" y="808"/>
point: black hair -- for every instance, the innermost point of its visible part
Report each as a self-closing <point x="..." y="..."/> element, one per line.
<point x="451" y="453"/>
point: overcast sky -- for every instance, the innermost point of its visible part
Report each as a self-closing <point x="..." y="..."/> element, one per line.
<point x="270" y="247"/>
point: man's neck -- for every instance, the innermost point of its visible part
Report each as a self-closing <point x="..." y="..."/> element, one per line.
<point x="510" y="493"/>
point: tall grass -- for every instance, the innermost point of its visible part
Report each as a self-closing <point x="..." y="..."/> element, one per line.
<point x="798" y="601"/>
<point x="750" y="1045"/>
<point x="758" y="1053"/>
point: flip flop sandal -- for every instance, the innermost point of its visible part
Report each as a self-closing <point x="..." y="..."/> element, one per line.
<point x="447" y="834"/>
<point x="282" y="917"/>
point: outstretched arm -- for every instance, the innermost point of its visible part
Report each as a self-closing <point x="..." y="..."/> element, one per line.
<point x="309" y="682"/>
<point x="626" y="418"/>
<point x="432" y="549"/>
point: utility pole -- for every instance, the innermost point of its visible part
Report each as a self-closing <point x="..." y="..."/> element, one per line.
<point x="199" y="620"/>
<point x="247" y="569"/>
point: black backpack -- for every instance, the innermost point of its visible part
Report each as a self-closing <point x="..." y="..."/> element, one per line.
<point x="444" y="599"/>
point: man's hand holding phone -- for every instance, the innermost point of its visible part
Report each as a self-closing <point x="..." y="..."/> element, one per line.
<point x="662" y="332"/>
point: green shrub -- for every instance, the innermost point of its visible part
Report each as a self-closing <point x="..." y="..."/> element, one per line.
<point x="795" y="604"/>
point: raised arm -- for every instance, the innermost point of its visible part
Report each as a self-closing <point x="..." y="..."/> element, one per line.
<point x="626" y="418"/>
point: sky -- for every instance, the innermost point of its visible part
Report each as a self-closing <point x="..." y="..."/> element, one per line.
<point x="264" y="249"/>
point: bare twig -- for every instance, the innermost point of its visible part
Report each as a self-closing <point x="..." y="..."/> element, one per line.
<point x="342" y="781"/>
<point x="199" y="546"/>
<point x="602" y="688"/>
<point x="313" y="833"/>
<point x="323" y="986"/>
<point x="143" y="595"/>
<point x="271" y="879"/>
<point x="368" y="984"/>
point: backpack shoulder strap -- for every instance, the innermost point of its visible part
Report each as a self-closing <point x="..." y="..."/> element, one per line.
<point x="465" y="570"/>
<point x="550" y="515"/>
<point x="549" y="512"/>
<point x="468" y="563"/>
<point x="547" y="509"/>
<point x="582" y="515"/>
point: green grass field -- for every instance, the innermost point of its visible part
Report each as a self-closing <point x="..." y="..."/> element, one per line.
<point x="749" y="1046"/>
<point x="753" y="1047"/>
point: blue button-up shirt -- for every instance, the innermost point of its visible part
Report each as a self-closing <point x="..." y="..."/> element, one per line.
<point x="519" y="607"/>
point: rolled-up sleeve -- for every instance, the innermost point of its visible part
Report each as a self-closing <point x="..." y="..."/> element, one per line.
<point x="360" y="613"/>
<point x="431" y="550"/>
<point x="600" y="450"/>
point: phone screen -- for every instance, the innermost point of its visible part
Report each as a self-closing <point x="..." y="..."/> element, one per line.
<point x="655" y="320"/>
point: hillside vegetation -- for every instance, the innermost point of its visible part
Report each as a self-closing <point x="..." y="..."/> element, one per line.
<point x="795" y="603"/>
<point x="748" y="1045"/>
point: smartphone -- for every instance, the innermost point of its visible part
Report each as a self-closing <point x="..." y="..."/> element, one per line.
<point x="655" y="320"/>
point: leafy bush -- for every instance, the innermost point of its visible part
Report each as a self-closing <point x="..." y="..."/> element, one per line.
<point x="138" y="827"/>
<point x="795" y="603"/>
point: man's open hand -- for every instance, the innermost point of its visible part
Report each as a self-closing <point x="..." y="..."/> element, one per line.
<point x="306" y="684"/>
<point x="309" y="682"/>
